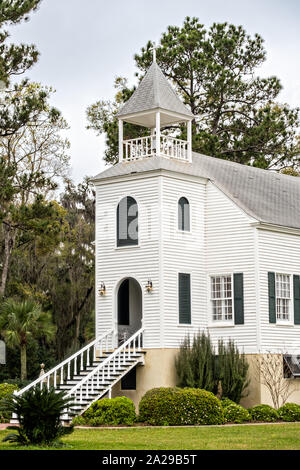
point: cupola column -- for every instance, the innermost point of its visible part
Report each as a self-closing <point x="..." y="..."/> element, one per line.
<point x="120" y="140"/>
<point x="157" y="140"/>
<point x="189" y="140"/>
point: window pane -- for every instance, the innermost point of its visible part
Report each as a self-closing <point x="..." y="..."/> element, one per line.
<point x="127" y="222"/>
<point x="221" y="298"/>
<point x="183" y="214"/>
<point x="283" y="294"/>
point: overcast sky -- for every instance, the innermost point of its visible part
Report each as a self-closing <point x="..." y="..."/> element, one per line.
<point x="84" y="45"/>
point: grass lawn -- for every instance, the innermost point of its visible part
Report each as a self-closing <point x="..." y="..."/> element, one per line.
<point x="250" y="437"/>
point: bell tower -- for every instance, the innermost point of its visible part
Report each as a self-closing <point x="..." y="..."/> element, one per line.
<point x="155" y="105"/>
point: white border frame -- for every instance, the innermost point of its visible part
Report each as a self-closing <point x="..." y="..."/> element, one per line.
<point x="115" y="291"/>
<point x="177" y="230"/>
<point x="214" y="323"/>
<point x="127" y="247"/>
<point x="291" y="321"/>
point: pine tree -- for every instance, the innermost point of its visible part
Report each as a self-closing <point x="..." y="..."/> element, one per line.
<point x="214" y="71"/>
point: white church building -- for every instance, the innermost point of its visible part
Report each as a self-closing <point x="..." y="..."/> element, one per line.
<point x="185" y="242"/>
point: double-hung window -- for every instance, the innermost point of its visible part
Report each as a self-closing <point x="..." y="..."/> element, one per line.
<point x="283" y="297"/>
<point x="222" y="298"/>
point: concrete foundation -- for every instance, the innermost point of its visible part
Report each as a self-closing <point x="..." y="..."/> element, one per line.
<point x="159" y="371"/>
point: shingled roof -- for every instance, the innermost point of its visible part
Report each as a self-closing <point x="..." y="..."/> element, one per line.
<point x="154" y="91"/>
<point x="265" y="195"/>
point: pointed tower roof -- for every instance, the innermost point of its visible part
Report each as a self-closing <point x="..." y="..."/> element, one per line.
<point x="154" y="92"/>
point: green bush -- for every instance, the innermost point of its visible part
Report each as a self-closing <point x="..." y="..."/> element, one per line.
<point x="231" y="370"/>
<point x="112" y="411"/>
<point x="195" y="363"/>
<point x="38" y="412"/>
<point x="264" y="413"/>
<point x="289" y="412"/>
<point x="176" y="406"/>
<point x="79" y="421"/>
<point x="226" y="402"/>
<point x="200" y="365"/>
<point x="234" y="413"/>
<point x="17" y="382"/>
<point x="6" y="390"/>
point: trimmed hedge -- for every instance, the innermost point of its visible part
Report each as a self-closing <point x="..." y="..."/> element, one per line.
<point x="111" y="411"/>
<point x="180" y="406"/>
<point x="289" y="412"/>
<point x="264" y="413"/>
<point x="234" y="413"/>
<point x="226" y="402"/>
<point x="5" y="391"/>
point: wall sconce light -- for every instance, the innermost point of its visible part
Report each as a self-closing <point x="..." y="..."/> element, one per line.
<point x="102" y="288"/>
<point x="149" y="286"/>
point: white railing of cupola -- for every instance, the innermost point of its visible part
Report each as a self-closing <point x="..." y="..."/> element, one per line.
<point x="74" y="364"/>
<point x="143" y="147"/>
<point x="105" y="372"/>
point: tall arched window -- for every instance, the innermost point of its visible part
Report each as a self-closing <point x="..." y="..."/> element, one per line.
<point x="127" y="222"/>
<point x="183" y="214"/>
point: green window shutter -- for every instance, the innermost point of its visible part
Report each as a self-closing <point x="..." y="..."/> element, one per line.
<point x="296" y="282"/>
<point x="272" y="298"/>
<point x="184" y="294"/>
<point x="238" y="288"/>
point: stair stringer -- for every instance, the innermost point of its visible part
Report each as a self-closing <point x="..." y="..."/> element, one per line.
<point x="140" y="361"/>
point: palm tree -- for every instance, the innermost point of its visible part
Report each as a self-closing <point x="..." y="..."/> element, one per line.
<point x="21" y="320"/>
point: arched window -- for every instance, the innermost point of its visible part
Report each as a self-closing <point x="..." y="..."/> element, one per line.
<point x="183" y="214"/>
<point x="127" y="222"/>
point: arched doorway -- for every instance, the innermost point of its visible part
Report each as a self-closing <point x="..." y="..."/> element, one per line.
<point x="129" y="308"/>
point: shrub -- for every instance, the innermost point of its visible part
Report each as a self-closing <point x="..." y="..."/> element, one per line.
<point x="6" y="390"/>
<point x="195" y="363"/>
<point x="38" y="412"/>
<point x="289" y="412"/>
<point x="18" y="382"/>
<point x="176" y="406"/>
<point x="79" y="421"/>
<point x="226" y="402"/>
<point x="263" y="413"/>
<point x="231" y="370"/>
<point x="199" y="365"/>
<point x="113" y="411"/>
<point x="234" y="413"/>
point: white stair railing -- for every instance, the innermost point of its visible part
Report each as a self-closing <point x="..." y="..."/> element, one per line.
<point x="103" y="372"/>
<point x="75" y="363"/>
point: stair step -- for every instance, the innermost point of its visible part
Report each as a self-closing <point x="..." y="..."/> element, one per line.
<point x="100" y="388"/>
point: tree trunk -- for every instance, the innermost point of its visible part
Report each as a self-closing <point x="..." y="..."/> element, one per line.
<point x="9" y="242"/>
<point x="77" y="327"/>
<point x="23" y="362"/>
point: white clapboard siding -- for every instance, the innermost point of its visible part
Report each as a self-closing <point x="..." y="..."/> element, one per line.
<point x="140" y="262"/>
<point x="182" y="252"/>
<point x="278" y="252"/>
<point x="230" y="248"/>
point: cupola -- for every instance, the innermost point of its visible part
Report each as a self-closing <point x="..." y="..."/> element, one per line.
<point x="154" y="105"/>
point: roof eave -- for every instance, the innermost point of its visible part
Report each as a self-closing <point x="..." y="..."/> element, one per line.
<point x="275" y="227"/>
<point x="177" y="116"/>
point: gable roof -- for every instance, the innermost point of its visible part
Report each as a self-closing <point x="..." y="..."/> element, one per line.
<point x="154" y="91"/>
<point x="265" y="195"/>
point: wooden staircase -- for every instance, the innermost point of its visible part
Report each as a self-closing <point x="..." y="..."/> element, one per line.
<point x="86" y="379"/>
